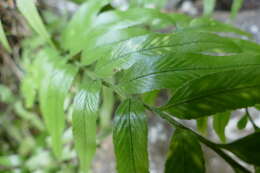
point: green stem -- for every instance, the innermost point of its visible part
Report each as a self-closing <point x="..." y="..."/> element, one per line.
<point x="236" y="166"/>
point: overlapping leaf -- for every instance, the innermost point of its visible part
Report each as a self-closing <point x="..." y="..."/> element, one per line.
<point x="185" y="154"/>
<point x="172" y="70"/>
<point x="80" y="24"/>
<point x="220" y="122"/>
<point x="202" y="124"/>
<point x="86" y="104"/>
<point x="241" y="124"/>
<point x="211" y="25"/>
<point x="55" y="85"/>
<point x="218" y="92"/>
<point x="29" y="11"/>
<point x="125" y="54"/>
<point x="115" y="26"/>
<point x="130" y="138"/>
<point x="246" y="148"/>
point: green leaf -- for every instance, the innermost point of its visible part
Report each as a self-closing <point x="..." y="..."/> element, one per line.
<point x="210" y="25"/>
<point x="202" y="124"/>
<point x="29" y="11"/>
<point x="115" y="26"/>
<point x="241" y="124"/>
<point x="130" y="138"/>
<point x="185" y="154"/>
<point x="237" y="4"/>
<point x="126" y="53"/>
<point x="80" y="25"/>
<point x="154" y="72"/>
<point x="86" y="105"/>
<point x="208" y="7"/>
<point x="246" y="148"/>
<point x="214" y="93"/>
<point x="3" y="39"/>
<point x="54" y="89"/>
<point x="220" y="122"/>
<point x="104" y="42"/>
<point x="247" y="46"/>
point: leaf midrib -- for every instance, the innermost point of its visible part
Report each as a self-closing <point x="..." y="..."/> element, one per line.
<point x="131" y="137"/>
<point x="190" y="69"/>
<point x="221" y="91"/>
<point x="157" y="47"/>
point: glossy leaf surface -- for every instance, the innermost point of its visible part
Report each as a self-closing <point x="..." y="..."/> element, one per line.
<point x="185" y="154"/>
<point x="126" y="53"/>
<point x="130" y="138"/>
<point x="172" y="70"/>
<point x="85" y="111"/>
<point x="218" y="92"/>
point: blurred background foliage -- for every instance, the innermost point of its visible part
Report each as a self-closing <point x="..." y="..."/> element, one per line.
<point x="24" y="142"/>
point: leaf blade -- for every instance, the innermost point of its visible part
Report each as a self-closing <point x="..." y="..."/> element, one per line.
<point x="201" y="97"/>
<point x="80" y="25"/>
<point x="220" y="122"/>
<point x="86" y="104"/>
<point x="52" y="97"/>
<point x="130" y="138"/>
<point x="174" y="69"/>
<point x="126" y="53"/>
<point x="246" y="148"/>
<point x="29" y="11"/>
<point x="185" y="154"/>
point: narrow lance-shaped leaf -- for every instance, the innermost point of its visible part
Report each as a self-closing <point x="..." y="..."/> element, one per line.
<point x="54" y="89"/>
<point x="86" y="104"/>
<point x="174" y="69"/>
<point x="237" y="4"/>
<point x="185" y="154"/>
<point x="3" y="39"/>
<point x="29" y="11"/>
<point x="210" y="25"/>
<point x="208" y="7"/>
<point x="214" y="93"/>
<point x="126" y="53"/>
<point x="80" y="25"/>
<point x="241" y="124"/>
<point x="202" y="124"/>
<point x="220" y="122"/>
<point x="115" y="26"/>
<point x="246" y="148"/>
<point x="130" y="138"/>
